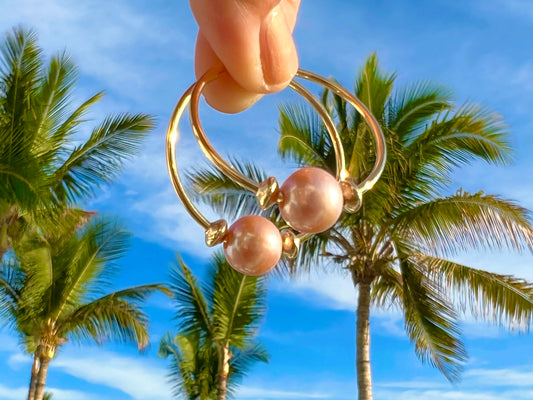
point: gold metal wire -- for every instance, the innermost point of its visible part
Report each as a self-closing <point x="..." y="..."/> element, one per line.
<point x="193" y="95"/>
<point x="172" y="166"/>
<point x="226" y="168"/>
<point x="379" y="139"/>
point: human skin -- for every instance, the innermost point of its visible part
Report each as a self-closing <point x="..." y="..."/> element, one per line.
<point x="253" y="40"/>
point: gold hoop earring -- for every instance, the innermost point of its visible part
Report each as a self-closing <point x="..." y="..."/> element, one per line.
<point x="311" y="200"/>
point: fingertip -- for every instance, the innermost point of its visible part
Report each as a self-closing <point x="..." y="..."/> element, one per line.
<point x="224" y="94"/>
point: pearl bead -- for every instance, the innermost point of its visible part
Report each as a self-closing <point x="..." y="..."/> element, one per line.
<point x="253" y="245"/>
<point x="311" y="200"/>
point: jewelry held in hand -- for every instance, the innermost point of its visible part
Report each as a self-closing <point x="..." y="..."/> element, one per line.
<point x="310" y="201"/>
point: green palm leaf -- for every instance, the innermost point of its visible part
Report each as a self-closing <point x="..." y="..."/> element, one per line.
<point x="101" y="157"/>
<point x="502" y="299"/>
<point x="303" y="138"/>
<point x="192" y="310"/>
<point x="431" y="322"/>
<point x="223" y="194"/>
<point x="222" y="315"/>
<point x="466" y="221"/>
<point x="413" y="107"/>
<point x="114" y="316"/>
<point x="238" y="304"/>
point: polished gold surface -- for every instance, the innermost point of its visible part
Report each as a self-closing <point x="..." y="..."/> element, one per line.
<point x="290" y="244"/>
<point x="171" y="140"/>
<point x="379" y="139"/>
<point x="216" y="232"/>
<point x="268" y="192"/>
<point x="352" y="196"/>
<point x="224" y="166"/>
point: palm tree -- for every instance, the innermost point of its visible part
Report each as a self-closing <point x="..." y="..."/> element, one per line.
<point x="214" y="346"/>
<point x="43" y="168"/>
<point x="54" y="292"/>
<point x="396" y="246"/>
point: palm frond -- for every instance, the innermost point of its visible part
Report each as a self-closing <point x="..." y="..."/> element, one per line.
<point x="35" y="257"/>
<point x="101" y="157"/>
<point x="84" y="263"/>
<point x="51" y="103"/>
<point x="70" y="124"/>
<point x="244" y="358"/>
<point x="386" y="288"/>
<point x="238" y="304"/>
<point x="241" y="363"/>
<point x="413" y="107"/>
<point x="303" y="138"/>
<point x="193" y="366"/>
<point x="223" y="194"/>
<point x="11" y="283"/>
<point x="373" y="86"/>
<point x="465" y="221"/>
<point x="431" y="323"/>
<point x="191" y="306"/>
<point x="20" y="65"/>
<point x="460" y="137"/>
<point x="116" y="316"/>
<point x="501" y="299"/>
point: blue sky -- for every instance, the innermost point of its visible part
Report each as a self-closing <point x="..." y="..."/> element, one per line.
<point x="141" y="54"/>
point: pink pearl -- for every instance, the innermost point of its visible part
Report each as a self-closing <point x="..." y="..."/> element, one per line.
<point x="253" y="245"/>
<point x="311" y="200"/>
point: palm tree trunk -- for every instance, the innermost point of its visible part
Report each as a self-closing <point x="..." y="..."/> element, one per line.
<point x="364" y="376"/>
<point x="41" y="378"/>
<point x="34" y="373"/>
<point x="223" y="372"/>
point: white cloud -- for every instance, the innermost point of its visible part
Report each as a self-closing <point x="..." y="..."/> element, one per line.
<point x="17" y="360"/>
<point x="263" y="393"/>
<point x="328" y="289"/>
<point x="501" y="377"/>
<point x="140" y="378"/>
<point x="413" y="385"/>
<point x="110" y="41"/>
<point x="7" y="393"/>
<point x="64" y="394"/>
<point x="477" y="384"/>
<point x="437" y="395"/>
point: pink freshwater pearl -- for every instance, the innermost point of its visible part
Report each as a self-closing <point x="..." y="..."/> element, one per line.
<point x="311" y="200"/>
<point x="253" y="245"/>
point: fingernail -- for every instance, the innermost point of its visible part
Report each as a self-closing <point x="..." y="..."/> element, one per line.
<point x="279" y="59"/>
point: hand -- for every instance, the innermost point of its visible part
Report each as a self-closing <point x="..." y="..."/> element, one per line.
<point x="253" y="40"/>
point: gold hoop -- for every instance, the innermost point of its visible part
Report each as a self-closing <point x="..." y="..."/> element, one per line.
<point x="264" y="191"/>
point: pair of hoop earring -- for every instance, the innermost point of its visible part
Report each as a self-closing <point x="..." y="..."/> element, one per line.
<point x="310" y="201"/>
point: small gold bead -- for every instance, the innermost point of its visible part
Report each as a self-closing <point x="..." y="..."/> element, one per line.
<point x="216" y="232"/>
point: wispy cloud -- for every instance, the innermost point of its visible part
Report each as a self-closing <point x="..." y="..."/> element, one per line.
<point x="264" y="393"/>
<point x="112" y="45"/>
<point x="7" y="393"/>
<point x="12" y="393"/>
<point x="506" y="377"/>
<point x="140" y="378"/>
<point x="477" y="384"/>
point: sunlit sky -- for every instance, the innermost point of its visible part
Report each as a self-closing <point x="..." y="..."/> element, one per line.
<point x="141" y="54"/>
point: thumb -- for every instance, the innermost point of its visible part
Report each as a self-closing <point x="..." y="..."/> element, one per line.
<point x="252" y="39"/>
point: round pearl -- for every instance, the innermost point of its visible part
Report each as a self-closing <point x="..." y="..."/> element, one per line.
<point x="253" y="245"/>
<point x="311" y="200"/>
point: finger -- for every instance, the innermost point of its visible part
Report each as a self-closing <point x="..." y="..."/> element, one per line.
<point x="252" y="38"/>
<point x="223" y="94"/>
